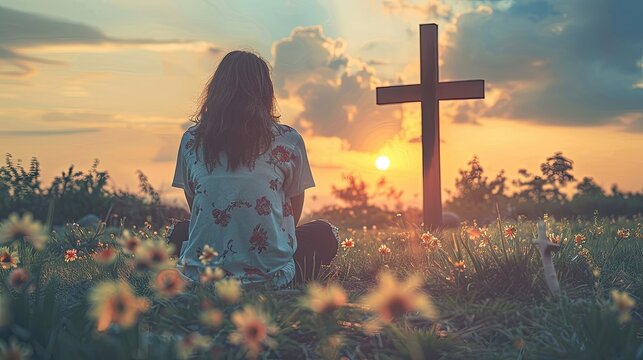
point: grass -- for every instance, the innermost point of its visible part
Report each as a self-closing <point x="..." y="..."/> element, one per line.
<point x="495" y="307"/>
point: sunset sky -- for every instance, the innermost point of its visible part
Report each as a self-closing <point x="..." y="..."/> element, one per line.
<point x="117" y="80"/>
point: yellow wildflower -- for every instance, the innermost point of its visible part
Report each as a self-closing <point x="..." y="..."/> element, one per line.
<point x="192" y="343"/>
<point x="323" y="299"/>
<point x="207" y="255"/>
<point x="459" y="265"/>
<point x="253" y="331"/>
<point x="392" y="298"/>
<point x="105" y="256"/>
<point x="623" y="233"/>
<point x="623" y="303"/>
<point x="474" y="232"/>
<point x="16" y="228"/>
<point x="211" y="317"/>
<point x="168" y="283"/>
<point x="348" y="243"/>
<point x="129" y="243"/>
<point x="153" y="254"/>
<point x="384" y="250"/>
<point x="211" y="274"/>
<point x="8" y="258"/>
<point x="115" y="303"/>
<point x="554" y="238"/>
<point x="579" y="239"/>
<point x="229" y="290"/>
<point x="430" y="242"/>
<point x="510" y="232"/>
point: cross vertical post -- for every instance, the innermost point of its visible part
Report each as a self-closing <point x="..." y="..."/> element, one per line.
<point x="432" y="205"/>
<point x="429" y="92"/>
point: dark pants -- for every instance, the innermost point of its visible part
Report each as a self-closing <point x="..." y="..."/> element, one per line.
<point x="316" y="246"/>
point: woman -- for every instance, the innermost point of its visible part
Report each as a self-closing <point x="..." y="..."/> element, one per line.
<point x="244" y="176"/>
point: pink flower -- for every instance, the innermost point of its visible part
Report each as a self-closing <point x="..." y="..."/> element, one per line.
<point x="221" y="217"/>
<point x="280" y="154"/>
<point x="259" y="239"/>
<point x="263" y="206"/>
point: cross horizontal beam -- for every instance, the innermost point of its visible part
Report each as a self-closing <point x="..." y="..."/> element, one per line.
<point x="398" y="94"/>
<point x="451" y="90"/>
<point x="459" y="90"/>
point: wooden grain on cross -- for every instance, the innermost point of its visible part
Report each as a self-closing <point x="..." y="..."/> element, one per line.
<point x="429" y="91"/>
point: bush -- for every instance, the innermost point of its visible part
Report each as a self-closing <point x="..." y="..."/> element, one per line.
<point x="74" y="194"/>
<point x="476" y="197"/>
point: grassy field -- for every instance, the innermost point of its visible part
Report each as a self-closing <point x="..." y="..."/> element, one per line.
<point x="394" y="293"/>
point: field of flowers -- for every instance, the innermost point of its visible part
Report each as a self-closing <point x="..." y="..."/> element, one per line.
<point x="394" y="293"/>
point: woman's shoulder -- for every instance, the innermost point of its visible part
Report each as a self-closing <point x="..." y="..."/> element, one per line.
<point x="190" y="132"/>
<point x="287" y="134"/>
<point x="188" y="137"/>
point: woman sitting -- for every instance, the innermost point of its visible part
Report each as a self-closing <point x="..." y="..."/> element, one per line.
<point x="244" y="176"/>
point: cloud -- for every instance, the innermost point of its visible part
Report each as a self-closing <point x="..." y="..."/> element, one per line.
<point x="465" y="112"/>
<point x="306" y="55"/>
<point x="83" y="116"/>
<point x="19" y="63"/>
<point x="568" y="63"/>
<point x="335" y="91"/>
<point x="18" y="28"/>
<point x="431" y="9"/>
<point x="108" y="120"/>
<point x="53" y="132"/>
<point x="21" y="30"/>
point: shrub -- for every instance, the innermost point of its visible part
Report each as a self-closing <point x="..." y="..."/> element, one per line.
<point x="74" y="194"/>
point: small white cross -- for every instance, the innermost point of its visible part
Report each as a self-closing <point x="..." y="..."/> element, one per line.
<point x="545" y="247"/>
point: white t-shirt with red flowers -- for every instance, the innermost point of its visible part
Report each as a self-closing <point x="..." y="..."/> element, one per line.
<point x="245" y="214"/>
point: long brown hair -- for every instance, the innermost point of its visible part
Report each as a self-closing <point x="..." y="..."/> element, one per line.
<point x="237" y="111"/>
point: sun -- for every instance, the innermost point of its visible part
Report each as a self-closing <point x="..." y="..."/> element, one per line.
<point x="382" y="162"/>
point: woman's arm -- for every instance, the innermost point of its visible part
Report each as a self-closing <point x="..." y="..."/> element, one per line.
<point x="297" y="203"/>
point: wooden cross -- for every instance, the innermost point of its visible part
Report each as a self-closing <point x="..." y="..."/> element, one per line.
<point x="429" y="91"/>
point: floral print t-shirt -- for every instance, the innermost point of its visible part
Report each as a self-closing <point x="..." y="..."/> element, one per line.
<point x="245" y="214"/>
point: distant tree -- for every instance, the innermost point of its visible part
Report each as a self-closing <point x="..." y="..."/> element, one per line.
<point x="616" y="192"/>
<point x="475" y="187"/>
<point x="147" y="188"/>
<point x="475" y="195"/>
<point x="532" y="188"/>
<point x="556" y="174"/>
<point x="557" y="170"/>
<point x="587" y="187"/>
<point x="354" y="194"/>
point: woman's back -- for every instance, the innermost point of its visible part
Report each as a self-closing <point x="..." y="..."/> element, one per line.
<point x="245" y="213"/>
